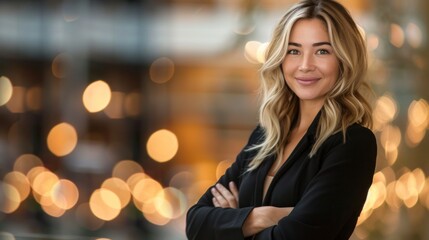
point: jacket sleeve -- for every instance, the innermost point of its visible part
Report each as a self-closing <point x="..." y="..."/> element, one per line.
<point x="204" y="221"/>
<point x="333" y="200"/>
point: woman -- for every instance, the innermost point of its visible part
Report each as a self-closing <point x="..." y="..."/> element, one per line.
<point x="306" y="169"/>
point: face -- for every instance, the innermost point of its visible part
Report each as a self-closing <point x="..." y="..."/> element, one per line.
<point x="310" y="67"/>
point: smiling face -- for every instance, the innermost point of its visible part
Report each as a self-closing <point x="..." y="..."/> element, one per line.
<point x="310" y="67"/>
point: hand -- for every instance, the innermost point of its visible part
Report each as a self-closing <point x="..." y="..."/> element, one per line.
<point x="224" y="198"/>
<point x="264" y="217"/>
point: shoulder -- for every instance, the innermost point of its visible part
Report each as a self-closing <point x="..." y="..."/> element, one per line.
<point x="255" y="138"/>
<point x="354" y="133"/>
<point x="357" y="132"/>
<point x="257" y="135"/>
<point x="357" y="138"/>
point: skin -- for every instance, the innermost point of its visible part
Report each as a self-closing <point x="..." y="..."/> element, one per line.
<point x="310" y="67"/>
<point x="310" y="70"/>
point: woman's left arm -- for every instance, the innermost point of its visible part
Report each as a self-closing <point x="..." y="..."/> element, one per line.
<point x="258" y="219"/>
<point x="333" y="200"/>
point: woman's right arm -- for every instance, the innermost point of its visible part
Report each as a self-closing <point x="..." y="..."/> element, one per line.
<point x="205" y="221"/>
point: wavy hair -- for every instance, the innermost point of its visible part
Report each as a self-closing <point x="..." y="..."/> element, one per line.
<point x="345" y="103"/>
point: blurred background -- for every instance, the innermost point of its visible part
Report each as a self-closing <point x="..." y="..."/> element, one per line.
<point x="115" y="116"/>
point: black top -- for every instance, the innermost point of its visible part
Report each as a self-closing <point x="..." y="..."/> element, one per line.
<point x="327" y="190"/>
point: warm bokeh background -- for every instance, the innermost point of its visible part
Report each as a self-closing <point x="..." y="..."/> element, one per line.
<point x="115" y="116"/>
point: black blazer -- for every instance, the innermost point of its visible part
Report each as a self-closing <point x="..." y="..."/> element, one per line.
<point x="327" y="190"/>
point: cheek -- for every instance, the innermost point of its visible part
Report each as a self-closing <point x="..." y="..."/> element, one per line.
<point x="287" y="70"/>
<point x="332" y="69"/>
<point x="287" y="76"/>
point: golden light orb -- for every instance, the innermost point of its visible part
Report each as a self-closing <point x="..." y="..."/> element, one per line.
<point x="62" y="139"/>
<point x="162" y="145"/>
<point x="96" y="96"/>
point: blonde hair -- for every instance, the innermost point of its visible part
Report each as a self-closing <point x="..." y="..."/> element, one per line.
<point x="344" y="104"/>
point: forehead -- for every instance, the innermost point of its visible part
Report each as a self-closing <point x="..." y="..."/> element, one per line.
<point x="309" y="30"/>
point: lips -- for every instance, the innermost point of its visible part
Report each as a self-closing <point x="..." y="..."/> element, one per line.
<point x="307" y="80"/>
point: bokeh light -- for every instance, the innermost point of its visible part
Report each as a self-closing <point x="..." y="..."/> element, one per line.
<point x="10" y="198"/>
<point x="418" y="121"/>
<point x="33" y="98"/>
<point x="182" y="180"/>
<point x="260" y="53"/>
<point x="385" y="111"/>
<point x="414" y="35"/>
<point x="105" y="204"/>
<point x="96" y="96"/>
<point x="153" y="216"/>
<point x="120" y="188"/>
<point x="373" y="42"/>
<point x="161" y="70"/>
<point x="407" y="190"/>
<point x="20" y="182"/>
<point x="62" y="139"/>
<point x="115" y="108"/>
<point x="6" y="90"/>
<point x="397" y="36"/>
<point x="34" y="172"/>
<point x="221" y="167"/>
<point x="16" y="103"/>
<point x="134" y="179"/>
<point x="244" y="26"/>
<point x="65" y="194"/>
<point x="132" y="104"/>
<point x="251" y="51"/>
<point x="390" y="138"/>
<point x="125" y="169"/>
<point x="162" y="145"/>
<point x="170" y="203"/>
<point x="414" y="135"/>
<point x="26" y="162"/>
<point x="49" y="207"/>
<point x="392" y="199"/>
<point x="418" y="114"/>
<point x="391" y="155"/>
<point x="60" y="65"/>
<point x="145" y="190"/>
<point x="254" y="51"/>
<point x="44" y="182"/>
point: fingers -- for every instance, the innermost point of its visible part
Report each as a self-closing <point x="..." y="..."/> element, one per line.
<point x="229" y="197"/>
<point x="218" y="199"/>
<point x="234" y="190"/>
<point x="222" y="197"/>
<point x="216" y="202"/>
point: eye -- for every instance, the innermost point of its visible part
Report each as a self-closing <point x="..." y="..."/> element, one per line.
<point x="322" y="52"/>
<point x="293" y="52"/>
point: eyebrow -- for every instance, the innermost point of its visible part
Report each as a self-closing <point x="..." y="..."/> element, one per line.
<point x="314" y="44"/>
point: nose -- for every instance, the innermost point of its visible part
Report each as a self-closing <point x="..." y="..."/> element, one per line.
<point x="307" y="63"/>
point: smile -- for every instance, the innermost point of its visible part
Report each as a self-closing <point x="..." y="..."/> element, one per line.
<point x="307" y="80"/>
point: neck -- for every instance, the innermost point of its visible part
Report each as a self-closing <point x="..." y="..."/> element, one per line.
<point x="307" y="113"/>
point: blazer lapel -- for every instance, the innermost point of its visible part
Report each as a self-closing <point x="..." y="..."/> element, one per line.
<point x="306" y="142"/>
<point x="260" y="179"/>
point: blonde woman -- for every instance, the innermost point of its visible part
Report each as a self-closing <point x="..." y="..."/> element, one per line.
<point x="307" y="167"/>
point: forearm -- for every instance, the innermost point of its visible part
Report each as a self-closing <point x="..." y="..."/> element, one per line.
<point x="210" y="223"/>
<point x="253" y="223"/>
<point x="264" y="217"/>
